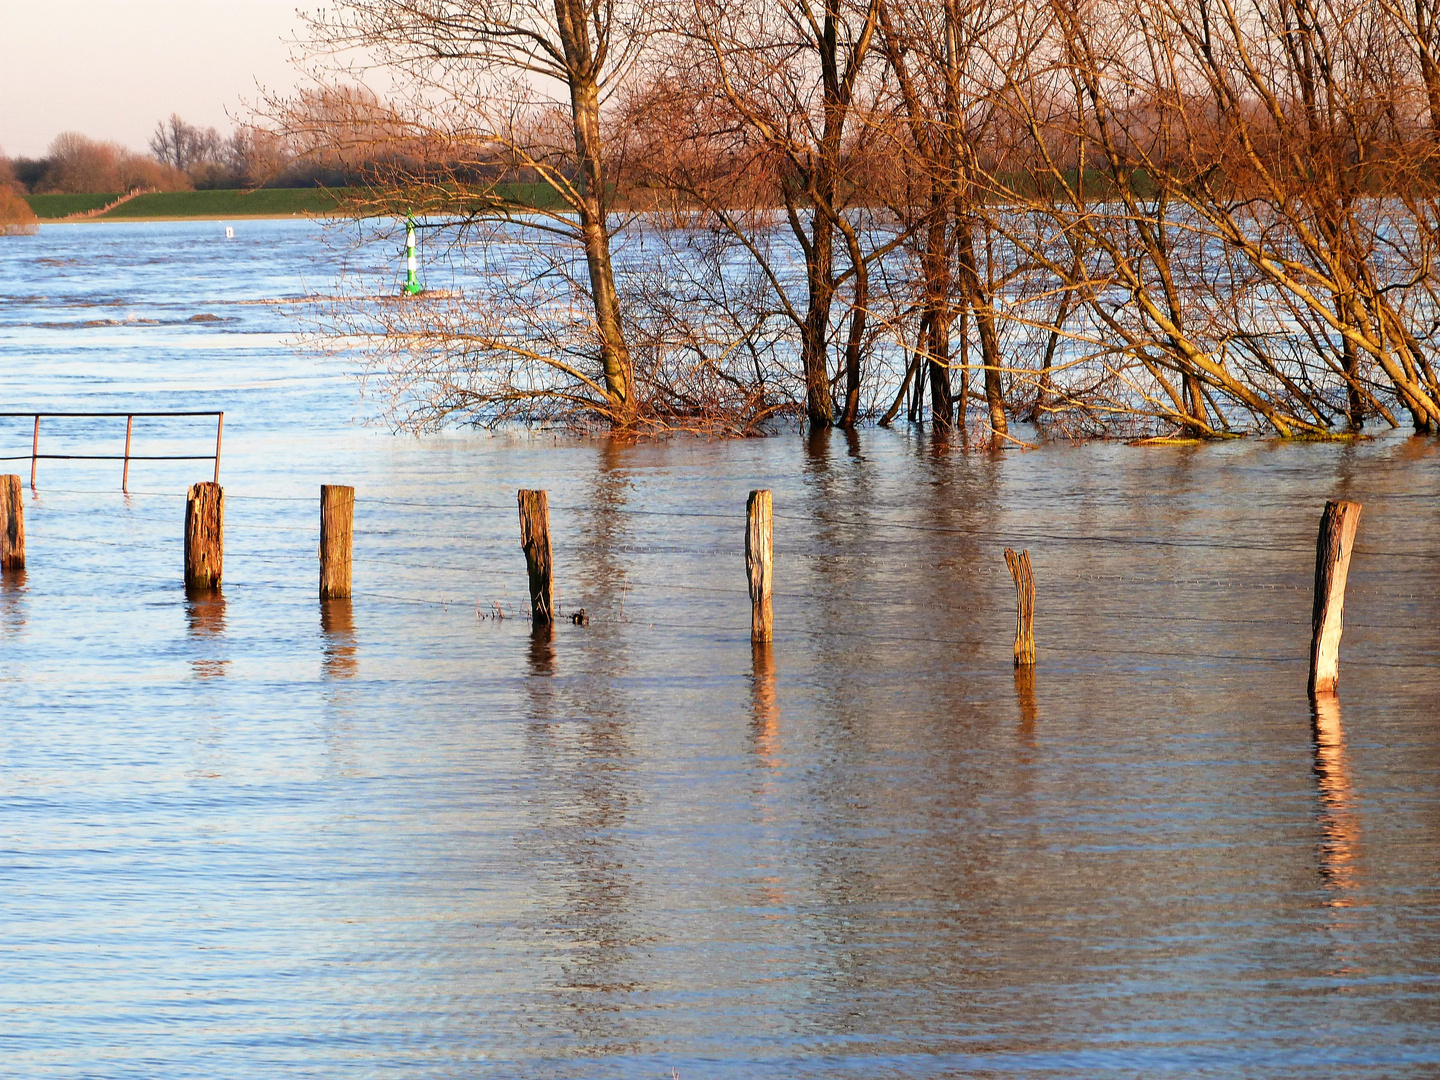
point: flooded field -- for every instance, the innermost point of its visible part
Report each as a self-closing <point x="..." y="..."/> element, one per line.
<point x="259" y="836"/>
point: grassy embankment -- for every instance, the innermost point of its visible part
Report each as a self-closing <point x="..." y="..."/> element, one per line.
<point x="264" y="202"/>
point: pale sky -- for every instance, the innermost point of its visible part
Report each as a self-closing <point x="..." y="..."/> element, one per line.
<point x="111" y="68"/>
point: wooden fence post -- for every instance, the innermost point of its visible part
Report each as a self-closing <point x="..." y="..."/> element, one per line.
<point x="1332" y="566"/>
<point x="759" y="561"/>
<point x="204" y="537"/>
<point x="1024" y="607"/>
<point x="337" y="537"/>
<point x="535" y="540"/>
<point x="12" y="524"/>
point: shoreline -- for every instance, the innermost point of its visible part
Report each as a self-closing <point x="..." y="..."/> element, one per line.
<point x="184" y="217"/>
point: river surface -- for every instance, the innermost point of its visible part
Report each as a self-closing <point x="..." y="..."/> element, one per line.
<point x="262" y="836"/>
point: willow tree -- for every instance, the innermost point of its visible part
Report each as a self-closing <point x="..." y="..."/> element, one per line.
<point x="490" y="132"/>
<point x="780" y="94"/>
<point x="948" y="61"/>
<point x="16" y="217"/>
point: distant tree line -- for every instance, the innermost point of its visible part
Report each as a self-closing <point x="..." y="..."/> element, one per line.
<point x="181" y="156"/>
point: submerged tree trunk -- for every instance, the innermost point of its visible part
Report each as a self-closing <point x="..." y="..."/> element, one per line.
<point x="989" y="339"/>
<point x="942" y="400"/>
<point x="571" y="21"/>
<point x="815" y="333"/>
<point x="859" y="316"/>
<point x="1196" y="424"/>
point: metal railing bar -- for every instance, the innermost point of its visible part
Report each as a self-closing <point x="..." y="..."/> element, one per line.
<point x="111" y="457"/>
<point x="36" y="457"/>
<point x="112" y="415"/>
<point x="125" y="476"/>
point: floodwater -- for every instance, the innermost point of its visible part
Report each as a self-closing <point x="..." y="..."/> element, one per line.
<point x="262" y="836"/>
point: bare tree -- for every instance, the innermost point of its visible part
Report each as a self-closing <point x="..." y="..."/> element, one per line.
<point x="1157" y="215"/>
<point x="949" y="61"/>
<point x="184" y="146"/>
<point x="782" y="91"/>
<point x="486" y="94"/>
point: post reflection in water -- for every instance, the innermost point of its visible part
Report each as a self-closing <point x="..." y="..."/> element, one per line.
<point x="12" y="602"/>
<point x="542" y="662"/>
<point x="205" y="618"/>
<point x="765" y="710"/>
<point x="337" y="625"/>
<point x="1025" y="696"/>
<point x="1339" y="823"/>
<point x="768" y="892"/>
<point x="578" y="752"/>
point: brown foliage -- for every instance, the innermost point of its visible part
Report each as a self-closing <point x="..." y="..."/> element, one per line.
<point x="81" y="164"/>
<point x="16" y="217"/>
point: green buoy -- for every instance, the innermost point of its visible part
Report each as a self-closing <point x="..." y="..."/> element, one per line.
<point x="412" y="283"/>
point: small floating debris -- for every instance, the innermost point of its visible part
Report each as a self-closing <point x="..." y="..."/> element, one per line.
<point x="425" y="294"/>
<point x="1170" y="440"/>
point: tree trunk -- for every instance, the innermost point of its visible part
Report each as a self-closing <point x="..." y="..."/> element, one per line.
<point x="936" y="269"/>
<point x="859" y="314"/>
<point x="570" y="17"/>
<point x="985" y="323"/>
<point x="964" y="398"/>
<point x="815" y="334"/>
<point x="1194" y="407"/>
<point x="942" y="401"/>
<point x="1354" y="405"/>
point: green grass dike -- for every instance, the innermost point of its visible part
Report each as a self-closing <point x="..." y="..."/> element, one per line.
<point x="50" y="207"/>
<point x="264" y="202"/>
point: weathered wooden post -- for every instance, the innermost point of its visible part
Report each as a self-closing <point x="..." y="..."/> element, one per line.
<point x="204" y="537"/>
<point x="759" y="560"/>
<point x="337" y="538"/>
<point x="1332" y="566"/>
<point x="1024" y="607"/>
<point x="12" y="524"/>
<point x="535" y="540"/>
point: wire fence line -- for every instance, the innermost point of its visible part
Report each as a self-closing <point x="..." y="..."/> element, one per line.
<point x="1012" y="537"/>
<point x="478" y="611"/>
<point x="739" y="589"/>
